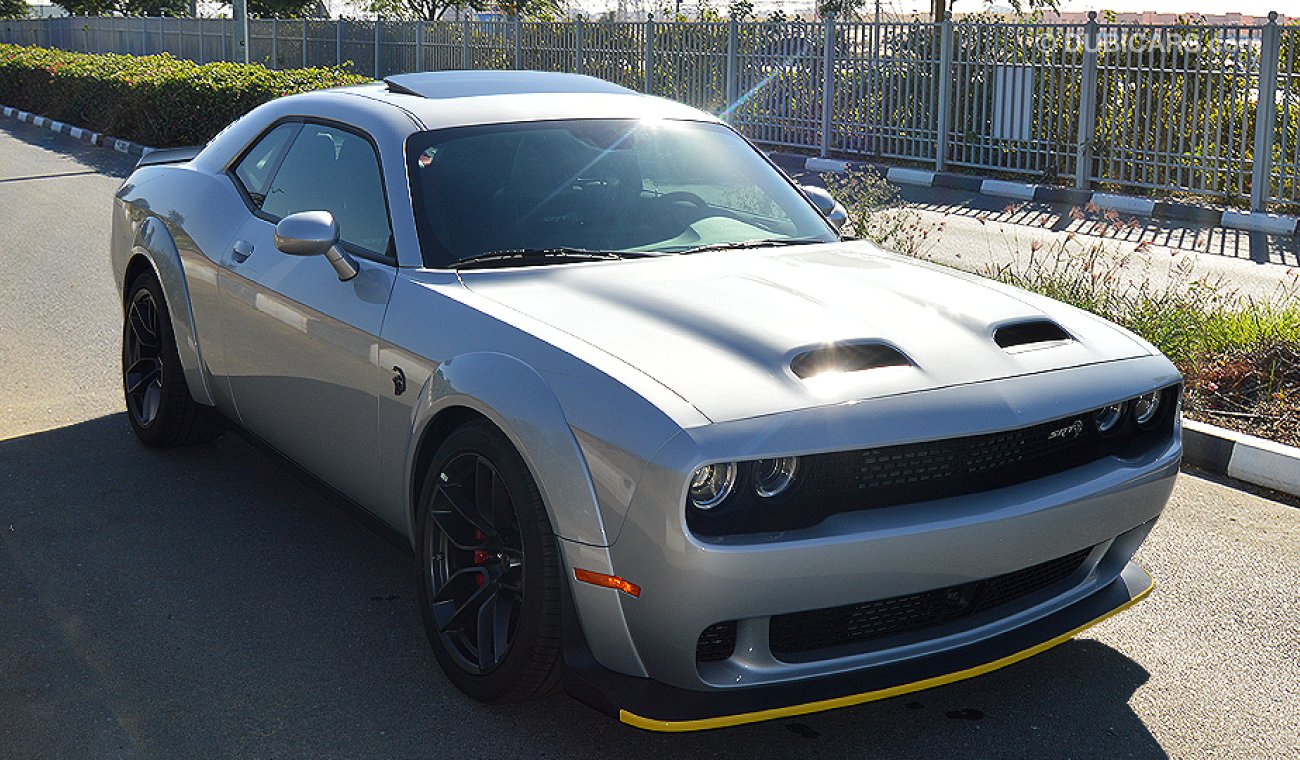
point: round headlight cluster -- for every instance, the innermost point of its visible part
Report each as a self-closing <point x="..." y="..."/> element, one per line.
<point x="712" y="484"/>
<point x="1146" y="410"/>
<point x="1108" y="418"/>
<point x="773" y="477"/>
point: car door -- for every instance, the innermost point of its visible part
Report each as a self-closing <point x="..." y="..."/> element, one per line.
<point x="301" y="345"/>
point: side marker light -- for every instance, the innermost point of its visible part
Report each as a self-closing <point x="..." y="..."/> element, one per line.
<point x="608" y="581"/>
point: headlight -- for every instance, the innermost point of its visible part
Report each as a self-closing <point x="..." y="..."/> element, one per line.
<point x="1146" y="408"/>
<point x="773" y="477"/>
<point x="712" y="484"/>
<point x="1108" y="418"/>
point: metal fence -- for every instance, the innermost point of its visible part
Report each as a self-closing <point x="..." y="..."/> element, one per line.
<point x="1212" y="111"/>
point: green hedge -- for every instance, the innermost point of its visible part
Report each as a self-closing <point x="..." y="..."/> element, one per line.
<point x="156" y="100"/>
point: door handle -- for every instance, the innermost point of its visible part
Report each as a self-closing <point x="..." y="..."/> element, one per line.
<point x="241" y="251"/>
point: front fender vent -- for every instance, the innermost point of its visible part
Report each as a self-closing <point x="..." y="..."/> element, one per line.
<point x="1035" y="333"/>
<point x="847" y="357"/>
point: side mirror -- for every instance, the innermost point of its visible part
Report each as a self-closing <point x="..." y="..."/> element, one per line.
<point x="315" y="233"/>
<point x="826" y="203"/>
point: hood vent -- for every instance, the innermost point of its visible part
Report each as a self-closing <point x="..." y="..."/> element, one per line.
<point x="847" y="357"/>
<point x="1024" y="335"/>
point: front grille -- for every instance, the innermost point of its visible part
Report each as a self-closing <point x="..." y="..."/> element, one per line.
<point x="717" y="642"/>
<point x="795" y="635"/>
<point x="919" y="471"/>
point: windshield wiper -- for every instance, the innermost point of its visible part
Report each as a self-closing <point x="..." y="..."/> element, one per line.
<point x="526" y="256"/>
<point x="750" y="244"/>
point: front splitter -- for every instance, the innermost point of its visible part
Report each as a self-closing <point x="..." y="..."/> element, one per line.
<point x="655" y="706"/>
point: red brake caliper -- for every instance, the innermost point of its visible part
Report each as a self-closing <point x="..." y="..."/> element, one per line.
<point x="480" y="557"/>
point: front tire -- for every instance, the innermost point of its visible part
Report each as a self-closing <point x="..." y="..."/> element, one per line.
<point x="158" y="402"/>
<point x="489" y="569"/>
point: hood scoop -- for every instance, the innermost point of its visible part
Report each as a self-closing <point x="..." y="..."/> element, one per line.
<point x="847" y="357"/>
<point x="1025" y="336"/>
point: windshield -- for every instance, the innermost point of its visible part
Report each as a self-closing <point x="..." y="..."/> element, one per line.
<point x="600" y="185"/>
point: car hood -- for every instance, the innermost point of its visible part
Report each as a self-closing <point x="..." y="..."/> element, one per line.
<point x="722" y="329"/>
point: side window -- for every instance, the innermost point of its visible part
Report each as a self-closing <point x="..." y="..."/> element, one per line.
<point x="328" y="169"/>
<point x="254" y="172"/>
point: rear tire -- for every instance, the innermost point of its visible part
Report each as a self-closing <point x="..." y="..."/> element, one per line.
<point x="158" y="402"/>
<point x="489" y="569"/>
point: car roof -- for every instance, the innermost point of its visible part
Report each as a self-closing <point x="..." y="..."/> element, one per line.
<point x="464" y="84"/>
<point x="441" y="99"/>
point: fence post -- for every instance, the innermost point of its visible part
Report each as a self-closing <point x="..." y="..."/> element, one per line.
<point x="464" y="43"/>
<point x="577" y="45"/>
<point x="648" y="64"/>
<point x="338" y="41"/>
<point x="519" y="42"/>
<point x="828" y="83"/>
<point x="275" y="42"/>
<point x="943" y="81"/>
<point x="1270" y="55"/>
<point x="378" y="21"/>
<point x="238" y="32"/>
<point x="304" y="43"/>
<point x="733" y="54"/>
<point x="162" y="32"/>
<point x="1087" y="105"/>
<point x="419" y="44"/>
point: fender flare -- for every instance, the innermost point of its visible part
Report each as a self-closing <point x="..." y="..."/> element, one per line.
<point x="153" y="242"/>
<point x="515" y="398"/>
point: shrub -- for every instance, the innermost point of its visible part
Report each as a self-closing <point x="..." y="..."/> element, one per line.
<point x="876" y="213"/>
<point x="156" y="100"/>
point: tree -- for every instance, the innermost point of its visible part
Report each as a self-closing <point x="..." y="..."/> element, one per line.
<point x="125" y="7"/>
<point x="284" y="8"/>
<point x="740" y="10"/>
<point x="939" y="9"/>
<point x="13" y="8"/>
<point x="533" y="10"/>
<point x="427" y="10"/>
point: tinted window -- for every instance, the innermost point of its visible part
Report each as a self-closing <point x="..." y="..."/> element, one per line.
<point x="255" y="170"/>
<point x="328" y="169"/>
<point x="600" y="185"/>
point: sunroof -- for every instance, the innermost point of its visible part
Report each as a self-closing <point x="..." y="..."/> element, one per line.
<point x="466" y="84"/>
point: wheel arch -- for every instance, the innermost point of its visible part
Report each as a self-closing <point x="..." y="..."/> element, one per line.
<point x="517" y="401"/>
<point x="153" y="250"/>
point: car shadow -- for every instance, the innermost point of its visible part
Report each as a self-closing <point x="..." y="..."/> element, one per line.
<point x="206" y="601"/>
<point x="99" y="159"/>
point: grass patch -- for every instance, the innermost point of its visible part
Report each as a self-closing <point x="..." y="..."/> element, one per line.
<point x="1240" y="355"/>
<point x="156" y="100"/>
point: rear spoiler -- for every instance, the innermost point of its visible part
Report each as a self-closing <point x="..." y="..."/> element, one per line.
<point x="169" y="156"/>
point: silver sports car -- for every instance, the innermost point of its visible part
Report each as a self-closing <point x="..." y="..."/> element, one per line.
<point x="652" y="430"/>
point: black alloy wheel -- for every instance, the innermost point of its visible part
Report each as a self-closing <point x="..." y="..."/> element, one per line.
<point x="158" y="402"/>
<point x="142" y="359"/>
<point x="477" y="573"/>
<point x="489" y="569"/>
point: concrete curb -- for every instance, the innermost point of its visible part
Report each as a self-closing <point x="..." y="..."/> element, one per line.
<point x="1243" y="457"/>
<point x="1253" y="221"/>
<point x="85" y="135"/>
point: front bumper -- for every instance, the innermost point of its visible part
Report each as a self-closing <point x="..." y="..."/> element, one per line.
<point x="655" y="706"/>
<point x="638" y="657"/>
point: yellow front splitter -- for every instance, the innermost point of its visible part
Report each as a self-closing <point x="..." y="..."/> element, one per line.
<point x="724" y="721"/>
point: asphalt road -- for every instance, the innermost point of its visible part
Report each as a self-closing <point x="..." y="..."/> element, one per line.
<point x="207" y="603"/>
